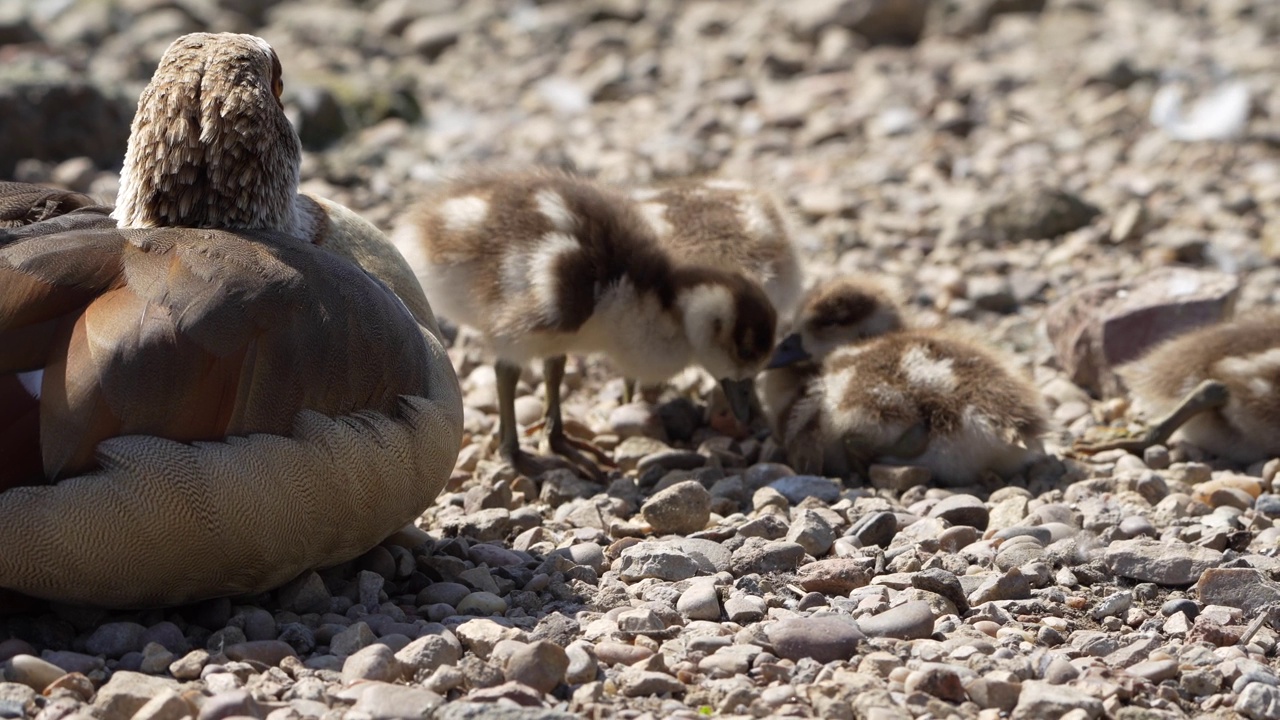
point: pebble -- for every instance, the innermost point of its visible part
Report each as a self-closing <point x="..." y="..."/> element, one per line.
<point x="796" y="488"/>
<point x="482" y="603"/>
<point x="821" y="638"/>
<point x="908" y="621"/>
<point x="681" y="509"/>
<point x="699" y="602"/>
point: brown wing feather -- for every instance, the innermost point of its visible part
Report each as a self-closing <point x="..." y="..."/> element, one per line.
<point x="25" y="204"/>
<point x="199" y="334"/>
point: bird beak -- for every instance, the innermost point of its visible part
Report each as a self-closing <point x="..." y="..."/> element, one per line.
<point x="739" y="393"/>
<point x="789" y="352"/>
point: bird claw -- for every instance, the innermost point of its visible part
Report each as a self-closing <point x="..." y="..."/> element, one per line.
<point x="576" y="451"/>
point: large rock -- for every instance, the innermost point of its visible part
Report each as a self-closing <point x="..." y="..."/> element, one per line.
<point x="1096" y="329"/>
<point x="126" y="692"/>
<point x="823" y="638"/>
<point x="1243" y="588"/>
<point x="1162" y="563"/>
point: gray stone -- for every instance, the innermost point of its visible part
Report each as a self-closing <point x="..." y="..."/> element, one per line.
<point x="375" y="662"/>
<point x="1163" y="563"/>
<point x="1045" y="700"/>
<point x="758" y="555"/>
<point x="541" y="665"/>
<point x="909" y="621"/>
<point x="1243" y="588"/>
<point x="699" y="602"/>
<point x="113" y="640"/>
<point x="421" y="657"/>
<point x="823" y="638"/>
<point x="656" y="560"/>
<point x="126" y="692"/>
<point x="305" y="594"/>
<point x="961" y="509"/>
<point x="30" y="671"/>
<point x="796" y="488"/>
<point x="681" y="509"/>
<point x="1259" y="701"/>
<point x="811" y="531"/>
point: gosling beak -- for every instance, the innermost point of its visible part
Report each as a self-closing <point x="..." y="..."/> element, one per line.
<point x="789" y="352"/>
<point x="739" y="393"/>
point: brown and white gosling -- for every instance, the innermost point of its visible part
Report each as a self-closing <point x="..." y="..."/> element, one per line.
<point x="926" y="397"/>
<point x="729" y="225"/>
<point x="839" y="311"/>
<point x="545" y="263"/>
<point x="1217" y="388"/>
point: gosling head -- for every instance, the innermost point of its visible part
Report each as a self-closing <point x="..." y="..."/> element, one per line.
<point x="210" y="145"/>
<point x="838" y="312"/>
<point x="730" y="325"/>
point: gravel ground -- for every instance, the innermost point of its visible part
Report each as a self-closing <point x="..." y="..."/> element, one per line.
<point x="986" y="157"/>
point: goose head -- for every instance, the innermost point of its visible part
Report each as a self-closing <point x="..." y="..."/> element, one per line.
<point x="210" y="145"/>
<point x="838" y="312"/>
<point x="729" y="324"/>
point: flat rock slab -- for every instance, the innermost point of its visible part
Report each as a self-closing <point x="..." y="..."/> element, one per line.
<point x="1098" y="328"/>
<point x="1243" y="588"/>
<point x="1162" y="563"/>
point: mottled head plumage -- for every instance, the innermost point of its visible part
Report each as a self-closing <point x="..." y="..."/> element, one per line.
<point x="210" y="145"/>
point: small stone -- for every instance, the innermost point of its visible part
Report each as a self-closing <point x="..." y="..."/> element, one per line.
<point x="616" y="653"/>
<point x="823" y="638"/>
<point x="126" y="692"/>
<point x="877" y="528"/>
<point x="834" y="576"/>
<point x="305" y="594"/>
<point x="541" y="665"/>
<point x="1259" y="701"/>
<point x="582" y="664"/>
<point x="745" y="610"/>
<point x="1154" y="670"/>
<point x="155" y="659"/>
<point x="796" y="488"/>
<point x="681" y="509"/>
<point x="1044" y="700"/>
<point x="449" y="593"/>
<point x="699" y="602"/>
<point x="422" y="656"/>
<point x="645" y="683"/>
<point x="188" y="666"/>
<point x="1186" y="606"/>
<point x="230" y="704"/>
<point x="168" y="705"/>
<point x="113" y="640"/>
<point x="375" y="662"/>
<point x="30" y="671"/>
<point x="1114" y="605"/>
<point x="937" y="680"/>
<point x="961" y="509"/>
<point x="482" y="603"/>
<point x="385" y="701"/>
<point x="352" y="639"/>
<point x="909" y="621"/>
<point x="1011" y="585"/>
<point x="761" y="556"/>
<point x="482" y="634"/>
<point x="811" y="531"/>
<point x="656" y="560"/>
<point x="267" y="652"/>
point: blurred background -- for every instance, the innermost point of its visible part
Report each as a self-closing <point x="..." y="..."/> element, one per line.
<point x="987" y="155"/>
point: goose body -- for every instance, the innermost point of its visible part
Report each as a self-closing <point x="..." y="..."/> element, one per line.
<point x="227" y="395"/>
<point x="1217" y="388"/>
<point x="543" y="264"/>
<point x="927" y="397"/>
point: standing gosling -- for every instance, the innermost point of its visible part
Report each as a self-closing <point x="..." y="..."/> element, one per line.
<point x="1217" y="388"/>
<point x="728" y="225"/>
<point x="545" y="264"/>
<point x="925" y="397"/>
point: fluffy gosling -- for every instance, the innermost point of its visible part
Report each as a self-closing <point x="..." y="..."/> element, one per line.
<point x="1217" y="388"/>
<point x="545" y="264"/>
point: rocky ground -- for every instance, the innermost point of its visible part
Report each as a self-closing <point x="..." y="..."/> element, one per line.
<point x="989" y="157"/>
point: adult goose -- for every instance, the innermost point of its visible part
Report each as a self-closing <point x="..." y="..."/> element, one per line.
<point x="213" y="391"/>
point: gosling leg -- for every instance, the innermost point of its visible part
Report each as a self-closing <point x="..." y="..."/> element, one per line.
<point x="1208" y="395"/>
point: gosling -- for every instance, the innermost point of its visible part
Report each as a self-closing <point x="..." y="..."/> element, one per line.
<point x="543" y="264"/>
<point x="925" y="397"/>
<point x="1217" y="388"/>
